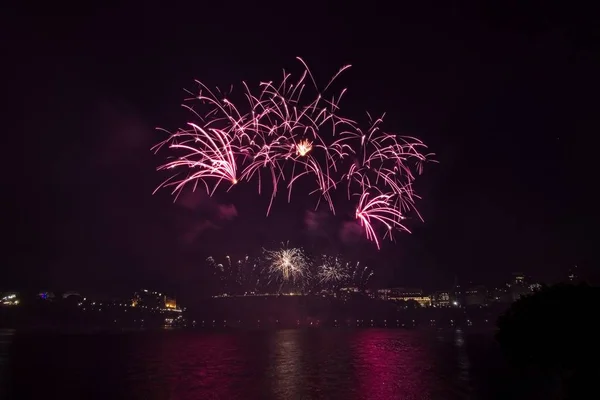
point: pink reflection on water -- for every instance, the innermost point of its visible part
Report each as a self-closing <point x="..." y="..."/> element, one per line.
<point x="192" y="367"/>
<point x="392" y="365"/>
<point x="295" y="364"/>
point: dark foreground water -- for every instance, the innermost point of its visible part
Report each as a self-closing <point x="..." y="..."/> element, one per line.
<point x="286" y="364"/>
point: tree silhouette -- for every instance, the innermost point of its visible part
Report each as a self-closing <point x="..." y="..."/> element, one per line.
<point x="556" y="331"/>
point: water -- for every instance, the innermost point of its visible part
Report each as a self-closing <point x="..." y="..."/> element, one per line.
<point x="285" y="364"/>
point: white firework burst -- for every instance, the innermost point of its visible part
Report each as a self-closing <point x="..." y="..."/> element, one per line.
<point x="287" y="264"/>
<point x="332" y="270"/>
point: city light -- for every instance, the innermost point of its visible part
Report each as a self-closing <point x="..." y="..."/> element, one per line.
<point x="10" y="300"/>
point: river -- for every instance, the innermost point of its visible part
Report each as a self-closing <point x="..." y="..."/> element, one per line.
<point x="280" y="364"/>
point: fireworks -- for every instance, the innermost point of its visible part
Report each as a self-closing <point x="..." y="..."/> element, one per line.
<point x="379" y="209"/>
<point x="333" y="273"/>
<point x="287" y="264"/>
<point x="332" y="270"/>
<point x="287" y="268"/>
<point x="291" y="131"/>
<point x="236" y="277"/>
<point x="209" y="154"/>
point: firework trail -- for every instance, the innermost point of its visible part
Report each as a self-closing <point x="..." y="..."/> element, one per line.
<point x="289" y="131"/>
<point x="333" y="273"/>
<point x="378" y="209"/>
<point x="235" y="277"/>
<point x="359" y="275"/>
<point x="207" y="154"/>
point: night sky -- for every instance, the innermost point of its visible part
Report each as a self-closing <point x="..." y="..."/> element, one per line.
<point x="507" y="97"/>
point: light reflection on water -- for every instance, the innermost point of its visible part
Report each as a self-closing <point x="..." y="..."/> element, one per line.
<point x="286" y="364"/>
<point x="6" y="338"/>
<point x="392" y="365"/>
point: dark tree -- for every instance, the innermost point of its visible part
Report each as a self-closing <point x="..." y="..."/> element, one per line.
<point x="556" y="332"/>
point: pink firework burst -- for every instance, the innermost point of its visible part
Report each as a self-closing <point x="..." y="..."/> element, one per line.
<point x="382" y="209"/>
<point x="207" y="154"/>
<point x="292" y="131"/>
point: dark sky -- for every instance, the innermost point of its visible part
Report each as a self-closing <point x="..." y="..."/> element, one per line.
<point x="506" y="96"/>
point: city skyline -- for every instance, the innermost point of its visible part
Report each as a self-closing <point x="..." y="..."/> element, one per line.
<point x="227" y="285"/>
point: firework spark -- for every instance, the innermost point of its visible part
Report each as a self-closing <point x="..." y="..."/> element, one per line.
<point x="332" y="271"/>
<point x="208" y="154"/>
<point x="380" y="208"/>
<point x="287" y="264"/>
<point x="303" y="147"/>
<point x="290" y="131"/>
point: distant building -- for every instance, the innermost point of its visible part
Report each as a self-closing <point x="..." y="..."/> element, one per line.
<point x="350" y="292"/>
<point x="518" y="278"/>
<point x="147" y="299"/>
<point x="423" y="301"/>
<point x="573" y="276"/>
<point x="153" y="300"/>
<point x="476" y="296"/>
<point x="442" y="299"/>
<point x="170" y="303"/>
<point x="500" y="295"/>
<point x="457" y="294"/>
<point x="404" y="294"/>
<point x="385" y="294"/>
<point x="533" y="287"/>
<point x="519" y="286"/>
<point x="10" y="299"/>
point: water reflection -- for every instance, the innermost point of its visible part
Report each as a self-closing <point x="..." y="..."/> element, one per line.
<point x="293" y="364"/>
<point x="391" y="365"/>
<point x="6" y="338"/>
<point x="188" y="366"/>
<point x="311" y="365"/>
<point x="286" y="359"/>
<point x="463" y="364"/>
